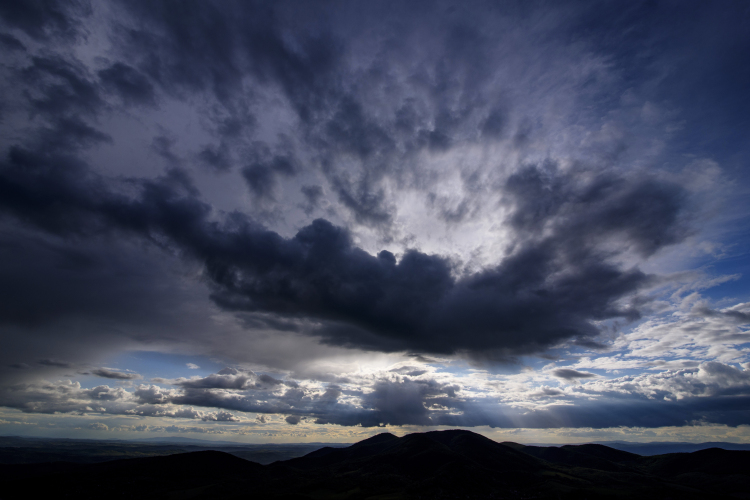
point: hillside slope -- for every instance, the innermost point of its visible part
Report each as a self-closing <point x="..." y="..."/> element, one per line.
<point x="444" y="464"/>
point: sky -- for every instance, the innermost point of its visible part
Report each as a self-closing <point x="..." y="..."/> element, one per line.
<point x="304" y="221"/>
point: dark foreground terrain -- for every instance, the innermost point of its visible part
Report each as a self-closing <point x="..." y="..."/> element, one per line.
<point x="447" y="464"/>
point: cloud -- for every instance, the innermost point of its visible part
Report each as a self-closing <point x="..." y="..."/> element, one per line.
<point x="153" y="394"/>
<point x="44" y="19"/>
<point x="313" y="197"/>
<point x="694" y="328"/>
<point x="311" y="186"/>
<point x="216" y="158"/>
<point x="549" y="289"/>
<point x="228" y="378"/>
<point x="54" y="362"/>
<point x="61" y="87"/>
<point x="221" y="416"/>
<point x="192" y="366"/>
<point x="261" y="176"/>
<point x="568" y="225"/>
<point x="10" y="42"/>
<point x="568" y="374"/>
<point x="709" y="379"/>
<point x="712" y="393"/>
<point x="70" y="397"/>
<point x="128" y="83"/>
<point x="114" y="374"/>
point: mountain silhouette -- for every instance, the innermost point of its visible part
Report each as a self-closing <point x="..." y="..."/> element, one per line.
<point x="439" y="464"/>
<point x="593" y="456"/>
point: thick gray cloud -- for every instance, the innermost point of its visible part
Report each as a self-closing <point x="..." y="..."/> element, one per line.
<point x="43" y="19"/>
<point x="130" y="85"/>
<point x="568" y="374"/>
<point x="554" y="281"/>
<point x="548" y="289"/>
<point x="115" y="374"/>
<point x="482" y="181"/>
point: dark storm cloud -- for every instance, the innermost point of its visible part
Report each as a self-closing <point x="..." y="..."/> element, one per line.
<point x="494" y="124"/>
<point x="406" y="403"/>
<point x="54" y="362"/>
<point x="262" y="176"/>
<point x="332" y="102"/>
<point x="10" y="42"/>
<point x="114" y="374"/>
<point x="366" y="201"/>
<point x="645" y="213"/>
<point x="568" y="374"/>
<point x="211" y="47"/>
<point x="549" y="289"/>
<point x="552" y="285"/>
<point x="57" y="87"/>
<point x="411" y="371"/>
<point x="340" y="111"/>
<point x="163" y="146"/>
<point x="313" y="196"/>
<point x="71" y="133"/>
<point x="350" y="131"/>
<point x="363" y="120"/>
<point x="41" y="19"/>
<point x="129" y="84"/>
<point x="216" y="158"/>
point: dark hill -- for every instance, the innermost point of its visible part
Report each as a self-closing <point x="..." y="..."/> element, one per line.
<point x="329" y="456"/>
<point x="445" y="464"/>
<point x="604" y="452"/>
<point x="430" y="447"/>
<point x="419" y="464"/>
<point x="713" y="461"/>
<point x="593" y="456"/>
<point x="150" y="477"/>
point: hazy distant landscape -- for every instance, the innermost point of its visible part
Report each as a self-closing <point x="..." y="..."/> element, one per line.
<point x="445" y="464"/>
<point x="18" y="450"/>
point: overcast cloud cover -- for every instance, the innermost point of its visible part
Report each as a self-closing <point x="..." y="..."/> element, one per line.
<point x="251" y="218"/>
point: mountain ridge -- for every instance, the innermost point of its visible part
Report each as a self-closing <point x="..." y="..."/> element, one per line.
<point x="436" y="464"/>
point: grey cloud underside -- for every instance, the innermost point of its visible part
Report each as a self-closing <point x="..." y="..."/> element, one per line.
<point x="115" y="374"/>
<point x="568" y="374"/>
<point x="551" y="286"/>
<point x="45" y="18"/>
<point x="549" y="289"/>
<point x="359" y="126"/>
<point x="555" y="281"/>
<point x="356" y="136"/>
